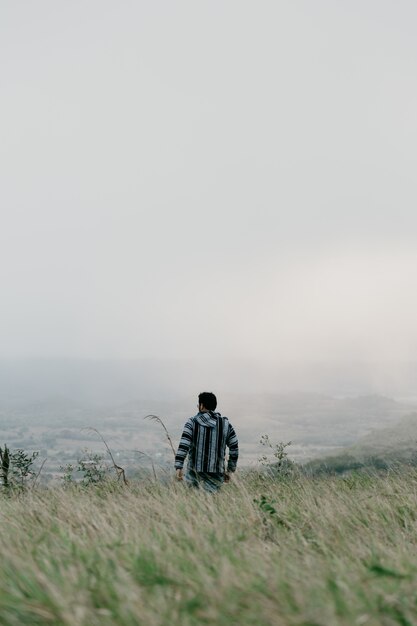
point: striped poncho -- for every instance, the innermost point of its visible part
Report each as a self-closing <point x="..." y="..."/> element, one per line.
<point x="205" y="438"/>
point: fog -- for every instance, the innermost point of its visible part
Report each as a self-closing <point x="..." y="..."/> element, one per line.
<point x="228" y="185"/>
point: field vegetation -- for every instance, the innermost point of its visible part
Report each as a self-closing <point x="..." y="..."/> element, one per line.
<point x="329" y="543"/>
<point x="278" y="550"/>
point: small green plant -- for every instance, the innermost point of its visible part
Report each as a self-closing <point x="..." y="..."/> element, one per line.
<point x="21" y="464"/>
<point x="89" y="470"/>
<point x="278" y="464"/>
<point x="16" y="469"/>
<point x="92" y="469"/>
<point x="266" y="505"/>
<point x="68" y="474"/>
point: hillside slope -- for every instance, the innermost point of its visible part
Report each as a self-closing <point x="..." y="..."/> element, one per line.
<point x="381" y="448"/>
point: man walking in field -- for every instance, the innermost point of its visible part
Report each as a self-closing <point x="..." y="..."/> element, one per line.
<point x="205" y="438"/>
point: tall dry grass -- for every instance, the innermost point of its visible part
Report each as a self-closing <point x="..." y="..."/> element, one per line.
<point x="311" y="552"/>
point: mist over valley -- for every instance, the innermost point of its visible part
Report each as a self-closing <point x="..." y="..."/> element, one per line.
<point x="48" y="406"/>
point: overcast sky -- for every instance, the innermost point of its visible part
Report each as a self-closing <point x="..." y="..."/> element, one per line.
<point x="227" y="178"/>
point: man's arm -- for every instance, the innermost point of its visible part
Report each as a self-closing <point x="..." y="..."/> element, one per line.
<point x="184" y="447"/>
<point x="233" y="445"/>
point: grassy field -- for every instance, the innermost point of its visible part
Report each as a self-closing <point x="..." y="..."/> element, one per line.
<point x="303" y="551"/>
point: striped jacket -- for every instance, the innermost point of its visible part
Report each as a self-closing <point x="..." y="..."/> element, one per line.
<point x="204" y="439"/>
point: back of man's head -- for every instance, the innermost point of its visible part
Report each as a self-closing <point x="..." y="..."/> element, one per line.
<point x="208" y="400"/>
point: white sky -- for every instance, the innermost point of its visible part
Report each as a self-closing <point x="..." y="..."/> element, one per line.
<point x="228" y="178"/>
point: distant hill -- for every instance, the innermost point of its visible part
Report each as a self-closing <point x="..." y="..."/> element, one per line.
<point x="381" y="448"/>
<point x="400" y="438"/>
<point x="312" y="419"/>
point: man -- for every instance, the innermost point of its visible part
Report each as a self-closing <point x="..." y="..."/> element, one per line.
<point x="204" y="439"/>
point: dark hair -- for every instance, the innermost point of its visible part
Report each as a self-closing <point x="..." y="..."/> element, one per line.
<point x="208" y="400"/>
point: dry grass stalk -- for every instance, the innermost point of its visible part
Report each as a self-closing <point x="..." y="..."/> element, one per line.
<point x="151" y="460"/>
<point x="38" y="474"/>
<point x="119" y="470"/>
<point x="155" y="418"/>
